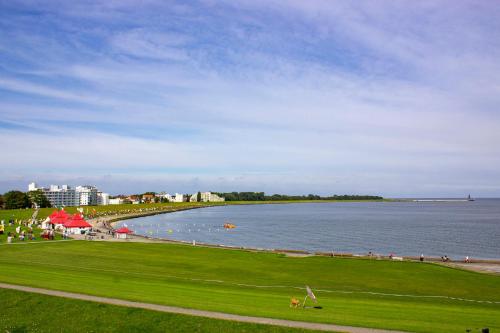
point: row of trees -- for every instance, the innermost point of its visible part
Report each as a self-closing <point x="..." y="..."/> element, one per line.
<point x="260" y="196"/>
<point x="18" y="199"/>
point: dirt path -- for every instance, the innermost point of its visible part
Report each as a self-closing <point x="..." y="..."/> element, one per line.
<point x="491" y="268"/>
<point x="199" y="313"/>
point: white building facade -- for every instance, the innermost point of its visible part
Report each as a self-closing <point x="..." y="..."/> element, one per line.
<point x="87" y="194"/>
<point x="116" y="201"/>
<point x="180" y="198"/>
<point x="207" y="197"/>
<point x="102" y="198"/>
<point x="63" y="196"/>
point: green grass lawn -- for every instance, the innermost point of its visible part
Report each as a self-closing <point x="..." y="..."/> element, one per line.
<point x="226" y="281"/>
<point x="82" y="316"/>
<point x="25" y="214"/>
<point x="36" y="233"/>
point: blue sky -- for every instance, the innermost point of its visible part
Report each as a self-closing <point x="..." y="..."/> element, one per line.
<point x="388" y="97"/>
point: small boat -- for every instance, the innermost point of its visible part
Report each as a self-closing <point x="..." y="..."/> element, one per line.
<point x="469" y="198"/>
<point x="228" y="225"/>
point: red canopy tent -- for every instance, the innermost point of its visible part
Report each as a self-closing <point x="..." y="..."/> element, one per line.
<point x="59" y="217"/>
<point x="124" y="230"/>
<point x="77" y="221"/>
<point x="54" y="214"/>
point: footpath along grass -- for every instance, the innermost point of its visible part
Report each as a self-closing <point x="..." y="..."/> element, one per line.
<point x="27" y="312"/>
<point x="261" y="284"/>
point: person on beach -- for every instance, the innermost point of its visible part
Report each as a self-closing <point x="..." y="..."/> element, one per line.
<point x="422" y="257"/>
<point x="467" y="260"/>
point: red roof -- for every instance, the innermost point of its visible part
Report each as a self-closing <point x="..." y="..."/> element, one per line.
<point x="77" y="221"/>
<point x="58" y="220"/>
<point x="124" y="230"/>
<point x="59" y="217"/>
<point x="62" y="213"/>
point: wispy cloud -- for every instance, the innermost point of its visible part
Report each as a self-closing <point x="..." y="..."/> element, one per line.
<point x="151" y="45"/>
<point x="293" y="97"/>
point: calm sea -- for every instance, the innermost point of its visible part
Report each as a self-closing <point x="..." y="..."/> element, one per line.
<point x="456" y="229"/>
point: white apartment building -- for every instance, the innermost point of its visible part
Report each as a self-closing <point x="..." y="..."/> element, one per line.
<point x="88" y="195"/>
<point x="180" y="198"/>
<point x="59" y="196"/>
<point x="206" y="197"/>
<point x="116" y="201"/>
<point x="63" y="196"/>
<point x="210" y="197"/>
<point x="102" y="198"/>
<point x="164" y="195"/>
<point x="169" y="197"/>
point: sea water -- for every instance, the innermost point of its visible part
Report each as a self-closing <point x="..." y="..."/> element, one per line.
<point x="456" y="229"/>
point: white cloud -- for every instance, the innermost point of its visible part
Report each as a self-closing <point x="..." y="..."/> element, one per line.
<point x="412" y="100"/>
<point x="154" y="45"/>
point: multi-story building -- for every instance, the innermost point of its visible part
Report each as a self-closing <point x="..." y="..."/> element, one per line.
<point x="180" y="197"/>
<point x="88" y="195"/>
<point x="62" y="196"/>
<point x="59" y="196"/>
<point x="102" y="198"/>
<point x="207" y="197"/>
<point x="168" y="197"/>
<point x="116" y="201"/>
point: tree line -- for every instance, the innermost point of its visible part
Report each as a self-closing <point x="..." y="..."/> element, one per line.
<point x="261" y="196"/>
<point x="18" y="200"/>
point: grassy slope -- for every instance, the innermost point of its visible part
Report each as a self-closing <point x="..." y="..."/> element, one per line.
<point x="82" y="316"/>
<point x="160" y="273"/>
<point x="25" y="214"/>
<point x="36" y="232"/>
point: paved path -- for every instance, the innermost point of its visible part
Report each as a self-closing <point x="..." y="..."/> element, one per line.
<point x="200" y="313"/>
<point x="491" y="268"/>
